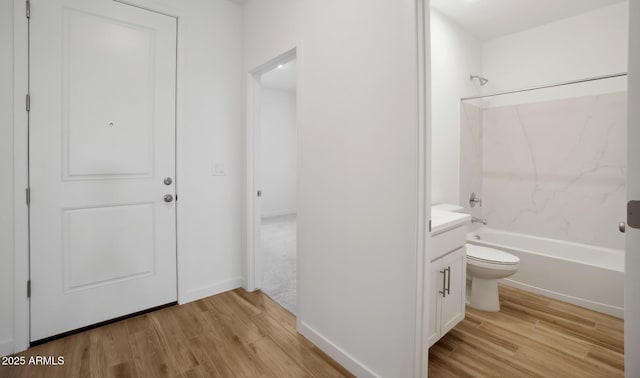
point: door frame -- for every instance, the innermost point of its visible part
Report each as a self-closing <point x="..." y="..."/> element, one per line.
<point x="21" y="256"/>
<point x="632" y="260"/>
<point x="254" y="213"/>
<point x="423" y="263"/>
<point x="21" y="310"/>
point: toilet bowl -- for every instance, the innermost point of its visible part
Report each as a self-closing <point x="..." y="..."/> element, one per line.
<point x="484" y="267"/>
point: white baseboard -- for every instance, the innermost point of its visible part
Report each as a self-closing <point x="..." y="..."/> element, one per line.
<point x="278" y="213"/>
<point x="243" y="284"/>
<point x="618" y="312"/>
<point x="6" y="347"/>
<point x="343" y="358"/>
<point x="195" y="294"/>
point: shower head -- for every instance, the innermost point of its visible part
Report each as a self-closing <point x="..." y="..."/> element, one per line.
<point x="481" y="79"/>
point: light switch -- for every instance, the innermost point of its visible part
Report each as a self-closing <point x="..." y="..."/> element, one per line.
<point x="219" y="169"/>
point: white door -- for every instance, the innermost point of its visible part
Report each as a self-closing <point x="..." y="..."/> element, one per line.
<point x="102" y="140"/>
<point x="632" y="263"/>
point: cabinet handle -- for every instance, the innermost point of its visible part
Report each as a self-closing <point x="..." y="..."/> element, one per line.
<point x="448" y="270"/>
<point x="444" y="283"/>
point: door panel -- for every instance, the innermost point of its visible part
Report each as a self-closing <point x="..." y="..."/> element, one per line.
<point x="453" y="306"/>
<point x="122" y="120"/>
<point x="104" y="245"/>
<point x="102" y="139"/>
<point x="435" y="277"/>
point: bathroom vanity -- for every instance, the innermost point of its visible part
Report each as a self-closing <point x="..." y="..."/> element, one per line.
<point x="448" y="272"/>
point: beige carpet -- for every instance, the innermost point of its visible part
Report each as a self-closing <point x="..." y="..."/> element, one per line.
<point x="278" y="236"/>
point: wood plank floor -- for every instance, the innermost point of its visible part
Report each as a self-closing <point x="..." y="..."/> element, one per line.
<point x="234" y="334"/>
<point x="240" y="334"/>
<point x="532" y="336"/>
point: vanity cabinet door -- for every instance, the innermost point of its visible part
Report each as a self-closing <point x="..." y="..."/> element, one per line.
<point x="453" y="304"/>
<point x="434" y="302"/>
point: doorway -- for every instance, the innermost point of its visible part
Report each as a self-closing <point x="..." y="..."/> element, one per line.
<point x="102" y="163"/>
<point x="273" y="176"/>
<point x="558" y="84"/>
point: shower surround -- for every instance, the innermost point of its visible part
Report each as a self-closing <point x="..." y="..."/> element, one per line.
<point x="554" y="169"/>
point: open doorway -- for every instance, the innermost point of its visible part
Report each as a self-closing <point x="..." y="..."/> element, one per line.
<point x="277" y="178"/>
<point x="272" y="178"/>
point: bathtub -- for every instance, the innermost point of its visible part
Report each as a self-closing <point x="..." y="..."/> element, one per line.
<point x="584" y="275"/>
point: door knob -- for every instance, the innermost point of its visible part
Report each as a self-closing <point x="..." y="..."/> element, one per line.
<point x="622" y="226"/>
<point x="168" y="198"/>
<point x="167" y="180"/>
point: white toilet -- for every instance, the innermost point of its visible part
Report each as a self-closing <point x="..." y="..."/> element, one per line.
<point x="484" y="267"/>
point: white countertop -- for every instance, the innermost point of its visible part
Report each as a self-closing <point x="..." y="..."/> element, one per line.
<point x="445" y="220"/>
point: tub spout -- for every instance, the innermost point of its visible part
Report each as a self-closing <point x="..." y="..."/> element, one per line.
<point x="479" y="220"/>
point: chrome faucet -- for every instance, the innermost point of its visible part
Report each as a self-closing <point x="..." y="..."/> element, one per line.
<point x="479" y="220"/>
<point x="474" y="199"/>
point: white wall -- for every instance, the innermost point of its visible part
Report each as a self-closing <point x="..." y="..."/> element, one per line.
<point x="210" y="129"/>
<point x="358" y="171"/>
<point x="278" y="152"/>
<point x="455" y="54"/>
<point x="6" y="170"/>
<point x="590" y="44"/>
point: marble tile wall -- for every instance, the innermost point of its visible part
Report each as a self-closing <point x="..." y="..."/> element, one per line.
<point x="554" y="169"/>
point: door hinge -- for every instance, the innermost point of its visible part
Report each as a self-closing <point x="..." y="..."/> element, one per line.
<point x="259" y="193"/>
<point x="28" y="9"/>
<point x="28" y="102"/>
<point x="429" y="225"/>
<point x="29" y="289"/>
<point x="28" y="193"/>
<point x="633" y="214"/>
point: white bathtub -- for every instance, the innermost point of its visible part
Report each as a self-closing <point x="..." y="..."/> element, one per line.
<point x="587" y="276"/>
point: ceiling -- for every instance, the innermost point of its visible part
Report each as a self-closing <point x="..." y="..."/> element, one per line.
<point x="488" y="19"/>
<point x="282" y="77"/>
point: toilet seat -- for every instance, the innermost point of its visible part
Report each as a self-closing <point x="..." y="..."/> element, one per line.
<point x="488" y="255"/>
